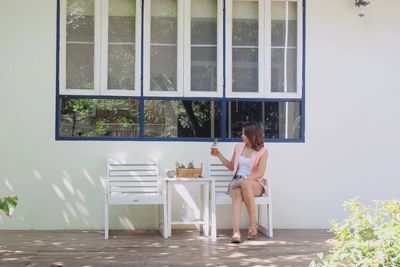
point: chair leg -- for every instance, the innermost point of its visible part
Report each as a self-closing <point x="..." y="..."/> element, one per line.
<point x="213" y="213"/>
<point x="270" y="230"/>
<point x="106" y="221"/>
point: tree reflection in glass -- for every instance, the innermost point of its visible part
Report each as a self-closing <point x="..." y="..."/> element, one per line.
<point x="245" y="46"/>
<point x="80" y="44"/>
<point x="99" y="117"/>
<point x="163" y="45"/>
<point x="176" y="118"/>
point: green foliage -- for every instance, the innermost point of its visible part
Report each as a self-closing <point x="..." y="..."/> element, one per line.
<point x="190" y="165"/>
<point x="99" y="117"/>
<point x="8" y="204"/>
<point x="180" y="166"/>
<point x="369" y="236"/>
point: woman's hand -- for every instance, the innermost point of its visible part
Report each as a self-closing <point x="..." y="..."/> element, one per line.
<point x="215" y="151"/>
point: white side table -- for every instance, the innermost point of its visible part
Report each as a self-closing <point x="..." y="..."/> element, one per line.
<point x="205" y="184"/>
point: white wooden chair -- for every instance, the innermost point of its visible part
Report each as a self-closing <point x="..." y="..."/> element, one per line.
<point x="221" y="177"/>
<point x="135" y="183"/>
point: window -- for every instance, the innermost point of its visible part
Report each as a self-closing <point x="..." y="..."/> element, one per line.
<point x="203" y="58"/>
<point x="178" y="118"/>
<point x="121" y="47"/>
<point x="176" y="69"/>
<point x="91" y="117"/>
<point x="280" y="119"/>
<point x="100" y="47"/>
<point x="245" y="48"/>
<point x="286" y="47"/>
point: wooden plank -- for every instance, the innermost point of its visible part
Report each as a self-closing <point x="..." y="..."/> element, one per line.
<point x="149" y="248"/>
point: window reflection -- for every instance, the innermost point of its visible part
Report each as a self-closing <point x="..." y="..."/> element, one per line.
<point x="80" y="44"/>
<point x="176" y="118"/>
<point x="280" y="119"/>
<point x="121" y="44"/>
<point x="163" y="47"/>
<point x="99" y="117"/>
<point x="204" y="45"/>
<point x="245" y="46"/>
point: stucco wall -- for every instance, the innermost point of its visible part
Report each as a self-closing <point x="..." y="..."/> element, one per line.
<point x="352" y="131"/>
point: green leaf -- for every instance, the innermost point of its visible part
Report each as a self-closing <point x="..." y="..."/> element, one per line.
<point x="8" y="204"/>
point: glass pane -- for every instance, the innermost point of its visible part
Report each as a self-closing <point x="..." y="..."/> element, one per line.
<point x="204" y="22"/>
<point x="240" y="113"/>
<point x="121" y="21"/>
<point x="277" y="73"/>
<point x="283" y="120"/>
<point x="245" y="23"/>
<point x="99" y="117"/>
<point x="280" y="119"/>
<point x="175" y="118"/>
<point x="292" y="70"/>
<point x="204" y="45"/>
<point x="245" y="70"/>
<point x="292" y="24"/>
<point x="80" y="20"/>
<point x="278" y="16"/>
<point x="204" y="69"/>
<point x="163" y="21"/>
<point x="80" y="44"/>
<point x="79" y="66"/>
<point x="121" y="67"/>
<point x="278" y="24"/>
<point x="163" y="71"/>
<point x="163" y="58"/>
<point x="121" y="44"/>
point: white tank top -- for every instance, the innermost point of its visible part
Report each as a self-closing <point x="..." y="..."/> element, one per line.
<point x="244" y="166"/>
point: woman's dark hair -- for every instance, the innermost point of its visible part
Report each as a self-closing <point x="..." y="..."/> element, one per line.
<point x="255" y="133"/>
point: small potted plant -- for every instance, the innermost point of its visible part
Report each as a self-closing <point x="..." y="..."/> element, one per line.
<point x="189" y="170"/>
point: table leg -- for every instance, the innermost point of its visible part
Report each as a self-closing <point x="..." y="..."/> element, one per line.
<point x="169" y="207"/>
<point x="206" y="228"/>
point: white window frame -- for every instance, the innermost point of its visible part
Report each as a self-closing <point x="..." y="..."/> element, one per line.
<point x="261" y="51"/>
<point x="63" y="52"/>
<point x="104" y="53"/>
<point x="187" y="53"/>
<point x="147" y="50"/>
<point x="299" y="90"/>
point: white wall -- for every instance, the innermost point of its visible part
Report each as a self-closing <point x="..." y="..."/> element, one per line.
<point x="352" y="126"/>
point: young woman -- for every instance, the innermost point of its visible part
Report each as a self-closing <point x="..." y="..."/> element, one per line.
<point x="248" y="162"/>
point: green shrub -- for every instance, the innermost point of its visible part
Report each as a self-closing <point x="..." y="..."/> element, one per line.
<point x="369" y="236"/>
<point x="8" y="204"/>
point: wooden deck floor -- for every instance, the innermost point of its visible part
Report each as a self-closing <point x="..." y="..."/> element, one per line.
<point x="148" y="248"/>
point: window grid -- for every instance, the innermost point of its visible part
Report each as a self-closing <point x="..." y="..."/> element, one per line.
<point x="142" y="98"/>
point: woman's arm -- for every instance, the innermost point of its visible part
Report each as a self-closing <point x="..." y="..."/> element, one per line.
<point x="262" y="165"/>
<point x="227" y="163"/>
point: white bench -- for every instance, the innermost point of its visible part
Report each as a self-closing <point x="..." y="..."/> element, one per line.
<point x="135" y="183"/>
<point x="221" y="177"/>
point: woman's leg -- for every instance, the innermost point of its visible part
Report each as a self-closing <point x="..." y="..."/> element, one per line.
<point x="237" y="200"/>
<point x="249" y="190"/>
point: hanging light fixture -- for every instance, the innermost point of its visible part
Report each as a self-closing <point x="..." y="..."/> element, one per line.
<point x="361" y="4"/>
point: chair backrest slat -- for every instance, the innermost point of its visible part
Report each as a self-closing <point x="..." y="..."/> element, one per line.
<point x="140" y="177"/>
<point x="221" y="175"/>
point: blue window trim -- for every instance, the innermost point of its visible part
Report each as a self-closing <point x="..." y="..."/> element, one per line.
<point x="142" y="98"/>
